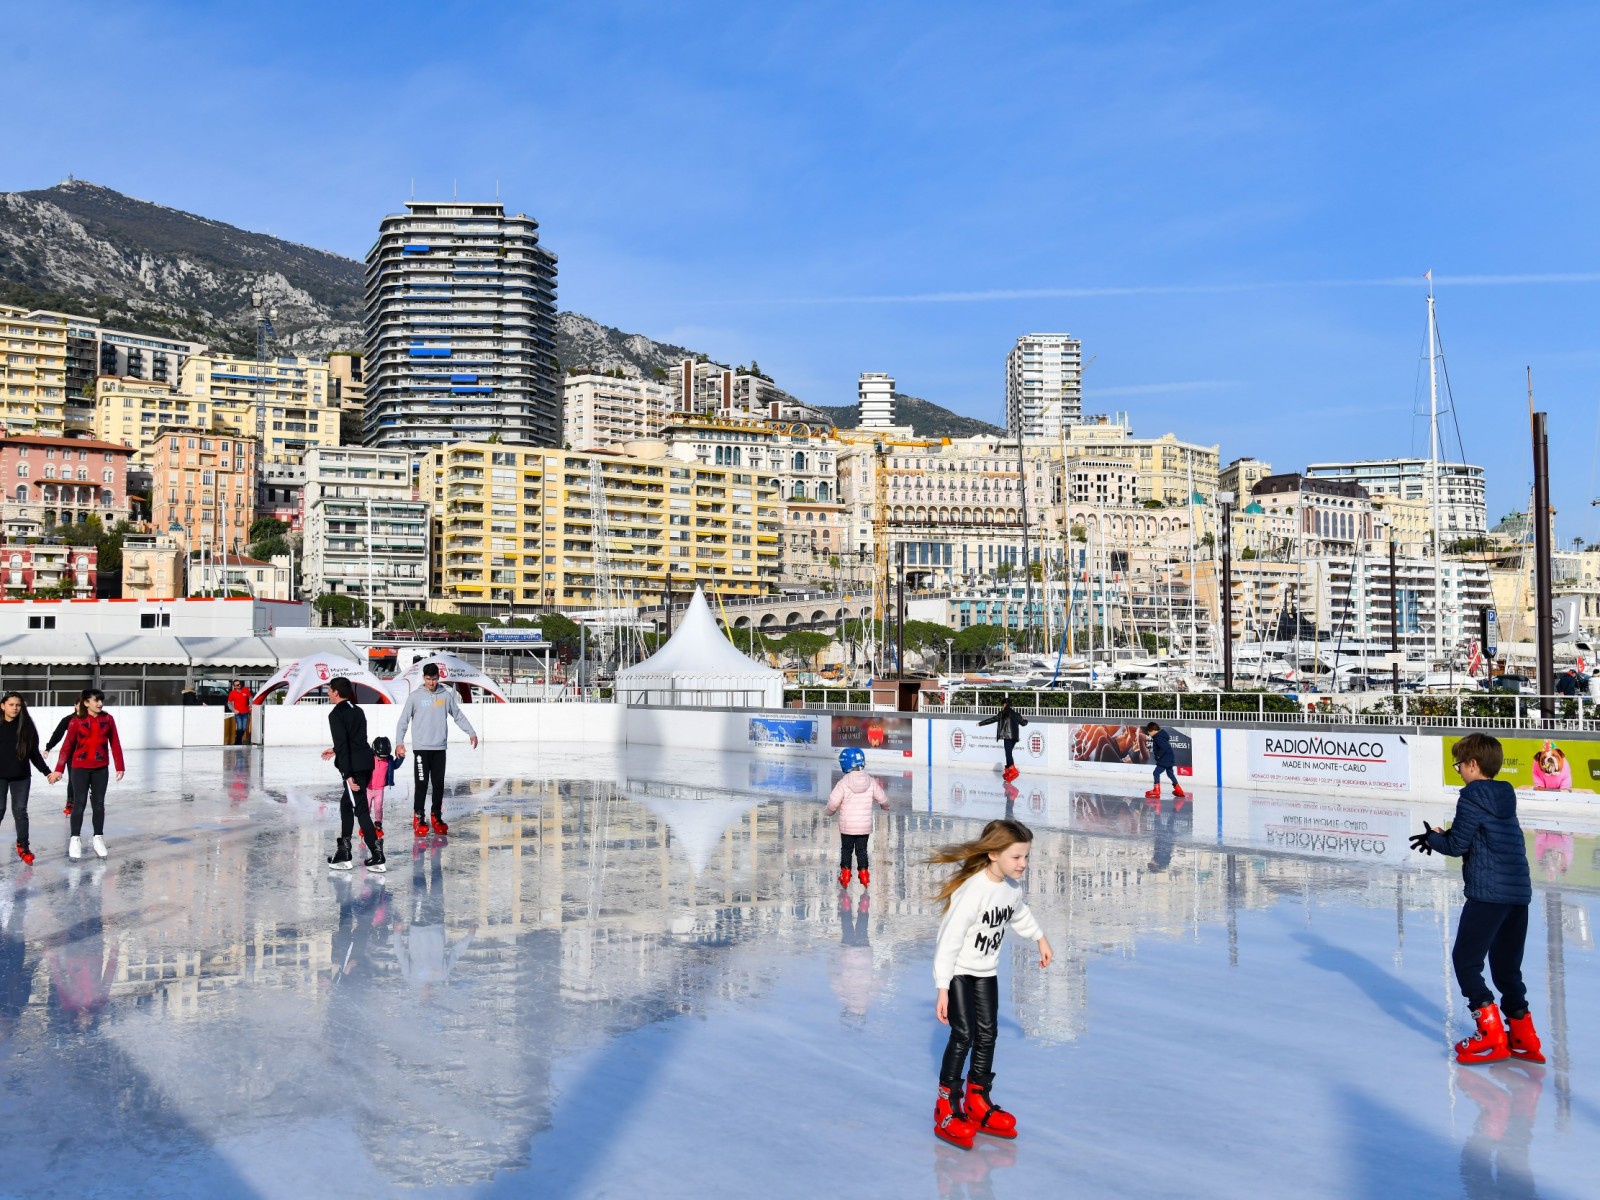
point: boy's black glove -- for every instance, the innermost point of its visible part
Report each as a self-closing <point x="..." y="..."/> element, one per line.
<point x="1419" y="841"/>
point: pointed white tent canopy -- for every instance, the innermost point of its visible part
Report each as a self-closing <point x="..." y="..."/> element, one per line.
<point x="700" y="666"/>
<point x="454" y="671"/>
<point x="305" y="675"/>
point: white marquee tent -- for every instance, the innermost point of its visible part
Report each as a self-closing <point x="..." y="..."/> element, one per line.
<point x="307" y="674"/>
<point x="454" y="671"/>
<point x="700" y="666"/>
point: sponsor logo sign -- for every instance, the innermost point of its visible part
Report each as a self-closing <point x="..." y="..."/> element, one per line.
<point x="1380" y="761"/>
<point x="968" y="742"/>
<point x="873" y="733"/>
<point x="1542" y="764"/>
<point x="783" y="731"/>
<point x="1128" y="749"/>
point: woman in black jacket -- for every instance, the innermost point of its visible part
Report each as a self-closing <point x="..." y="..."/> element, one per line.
<point x="352" y="755"/>
<point x="19" y="750"/>
<point x="1008" y="723"/>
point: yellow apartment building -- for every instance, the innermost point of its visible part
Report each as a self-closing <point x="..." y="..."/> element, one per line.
<point x="288" y="404"/>
<point x="519" y="526"/>
<point x="33" y="371"/>
<point x="131" y="411"/>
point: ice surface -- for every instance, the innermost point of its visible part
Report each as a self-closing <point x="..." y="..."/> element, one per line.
<point x="633" y="974"/>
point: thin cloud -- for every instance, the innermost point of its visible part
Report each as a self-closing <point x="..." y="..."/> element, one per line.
<point x="1159" y="389"/>
<point x="1194" y="289"/>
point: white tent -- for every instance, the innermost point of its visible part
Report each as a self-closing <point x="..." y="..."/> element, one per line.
<point x="454" y="671"/>
<point x="700" y="666"/>
<point x="305" y="675"/>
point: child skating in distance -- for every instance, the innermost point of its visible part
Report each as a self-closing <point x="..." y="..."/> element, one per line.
<point x="852" y="798"/>
<point x="1487" y="837"/>
<point x="382" y="777"/>
<point x="1165" y="760"/>
<point x="981" y="899"/>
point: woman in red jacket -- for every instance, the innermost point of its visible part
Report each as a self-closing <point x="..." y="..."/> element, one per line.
<point x="91" y="745"/>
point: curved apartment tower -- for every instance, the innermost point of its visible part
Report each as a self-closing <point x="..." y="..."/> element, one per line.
<point x="461" y="329"/>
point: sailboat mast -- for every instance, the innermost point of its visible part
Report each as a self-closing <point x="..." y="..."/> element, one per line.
<point x="1194" y="569"/>
<point x="1433" y="475"/>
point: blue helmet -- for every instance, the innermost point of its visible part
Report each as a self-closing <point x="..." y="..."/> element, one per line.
<point x="852" y="758"/>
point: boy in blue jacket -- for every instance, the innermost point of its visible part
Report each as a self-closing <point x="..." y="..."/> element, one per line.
<point x="1487" y="837"/>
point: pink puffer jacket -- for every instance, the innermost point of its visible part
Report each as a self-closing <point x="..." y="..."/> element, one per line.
<point x="853" y="797"/>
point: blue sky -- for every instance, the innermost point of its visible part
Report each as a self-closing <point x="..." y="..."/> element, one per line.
<point x="1232" y="204"/>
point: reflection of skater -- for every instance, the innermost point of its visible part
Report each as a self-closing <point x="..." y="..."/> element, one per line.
<point x="1008" y="723"/>
<point x="424" y="956"/>
<point x="16" y="975"/>
<point x="853" y="977"/>
<point x="363" y="911"/>
<point x="1165" y="760"/>
<point x="981" y="899"/>
<point x="1166" y="835"/>
<point x="1494" y="1160"/>
<point x="81" y="970"/>
<point x="852" y="798"/>
<point x="1553" y="851"/>
<point x="19" y="757"/>
<point x="91" y="746"/>
<point x="966" y="1176"/>
<point x="1487" y="837"/>
<point x="353" y="758"/>
<point x="430" y="707"/>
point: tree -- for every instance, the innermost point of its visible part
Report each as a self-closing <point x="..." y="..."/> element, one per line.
<point x="341" y="609"/>
<point x="86" y="532"/>
<point x="1003" y="571"/>
<point x="981" y="640"/>
<point x="263" y="528"/>
<point x="804" y="644"/>
<point x="1080" y="533"/>
<point x="1247" y="553"/>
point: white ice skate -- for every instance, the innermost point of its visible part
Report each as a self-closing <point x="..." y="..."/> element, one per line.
<point x="99" y="845"/>
<point x="75" y="849"/>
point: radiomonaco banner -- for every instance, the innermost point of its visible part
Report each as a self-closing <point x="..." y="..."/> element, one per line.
<point x="1379" y="761"/>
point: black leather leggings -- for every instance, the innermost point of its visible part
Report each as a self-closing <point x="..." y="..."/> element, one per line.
<point x="974" y="1021"/>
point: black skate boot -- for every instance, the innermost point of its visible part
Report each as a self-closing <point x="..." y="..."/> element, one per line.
<point x="341" y="860"/>
<point x="377" y="861"/>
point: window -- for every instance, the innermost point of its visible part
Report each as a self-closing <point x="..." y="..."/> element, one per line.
<point x="152" y="620"/>
<point x="41" y="622"/>
<point x="49" y="470"/>
<point x="22" y="493"/>
<point x="23" y="451"/>
<point x="22" y="470"/>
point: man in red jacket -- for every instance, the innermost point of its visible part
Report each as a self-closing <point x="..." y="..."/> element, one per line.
<point x="91" y="745"/>
<point x="239" y="706"/>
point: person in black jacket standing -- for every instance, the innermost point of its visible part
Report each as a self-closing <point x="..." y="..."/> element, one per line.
<point x="1487" y="837"/>
<point x="352" y="755"/>
<point x="19" y="756"/>
<point x="1008" y="723"/>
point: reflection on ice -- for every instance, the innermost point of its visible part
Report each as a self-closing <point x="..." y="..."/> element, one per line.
<point x="608" y="951"/>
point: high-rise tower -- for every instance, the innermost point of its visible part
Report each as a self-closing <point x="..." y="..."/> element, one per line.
<point x="875" y="400"/>
<point x="1044" y="384"/>
<point x="461" y="329"/>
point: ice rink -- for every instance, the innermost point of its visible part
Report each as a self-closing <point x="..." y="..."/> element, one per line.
<point x="633" y="974"/>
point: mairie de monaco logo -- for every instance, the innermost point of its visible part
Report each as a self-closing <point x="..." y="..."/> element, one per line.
<point x="1035" y="744"/>
<point x="958" y="739"/>
<point x="323" y="673"/>
<point x="958" y="794"/>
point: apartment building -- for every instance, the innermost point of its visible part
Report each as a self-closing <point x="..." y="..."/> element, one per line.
<point x="286" y="404"/>
<point x="366" y="532"/>
<point x="460" y="329"/>
<point x="347" y="379"/>
<point x="31" y="568"/>
<point x="1166" y="469"/>
<point x="152" y="567"/>
<point x="1044" y="384"/>
<point x="1463" y="509"/>
<point x="47" y="482"/>
<point x="875" y="400"/>
<point x="93" y="350"/>
<point x="33" y="371"/>
<point x="524" y="527"/>
<point x="130" y="411"/>
<point x="602" y="411"/>
<point x="1241" y="476"/>
<point x="239" y="574"/>
<point x="1328" y="516"/>
<point x="709" y="389"/>
<point x="203" y="488"/>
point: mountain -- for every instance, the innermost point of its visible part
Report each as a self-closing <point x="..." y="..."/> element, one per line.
<point x="585" y="344"/>
<point x="147" y="267"/>
<point x="924" y="416"/>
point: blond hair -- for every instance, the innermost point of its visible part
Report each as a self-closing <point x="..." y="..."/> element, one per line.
<point x="973" y="856"/>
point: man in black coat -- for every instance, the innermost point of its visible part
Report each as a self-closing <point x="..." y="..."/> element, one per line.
<point x="1008" y="723"/>
<point x="352" y="755"/>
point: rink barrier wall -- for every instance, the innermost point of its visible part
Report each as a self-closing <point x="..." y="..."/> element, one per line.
<point x="1377" y="763"/>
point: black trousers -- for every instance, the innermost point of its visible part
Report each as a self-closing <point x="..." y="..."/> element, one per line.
<point x="17" y="791"/>
<point x="1010" y="744"/>
<point x="974" y="1021"/>
<point x="1495" y="931"/>
<point x="428" y="768"/>
<point x="353" y="807"/>
<point x="856" y="842"/>
<point x="89" y="784"/>
<point x="1170" y="775"/>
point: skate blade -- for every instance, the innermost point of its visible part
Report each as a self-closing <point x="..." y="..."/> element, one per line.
<point x="996" y="1133"/>
<point x="341" y="866"/>
<point x="1525" y="1056"/>
<point x="953" y="1141"/>
<point x="1483" y="1061"/>
<point x="380" y="868"/>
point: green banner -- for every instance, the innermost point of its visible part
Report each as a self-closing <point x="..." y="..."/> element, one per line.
<point x="1540" y="764"/>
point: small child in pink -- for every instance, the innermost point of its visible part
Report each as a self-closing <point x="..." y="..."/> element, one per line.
<point x="852" y="798"/>
<point x="382" y="777"/>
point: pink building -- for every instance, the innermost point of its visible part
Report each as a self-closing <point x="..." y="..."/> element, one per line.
<point x="47" y="482"/>
<point x="25" y="570"/>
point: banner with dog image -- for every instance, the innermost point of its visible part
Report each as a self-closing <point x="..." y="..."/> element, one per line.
<point x="1540" y="764"/>
<point x="1126" y="749"/>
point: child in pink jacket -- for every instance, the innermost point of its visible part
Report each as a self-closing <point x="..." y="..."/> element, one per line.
<point x="382" y="777"/>
<point x="852" y="798"/>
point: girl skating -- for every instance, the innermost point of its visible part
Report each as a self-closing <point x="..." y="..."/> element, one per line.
<point x="382" y="777"/>
<point x="19" y="756"/>
<point x="981" y="899"/>
<point x="90" y="747"/>
<point x="852" y="798"/>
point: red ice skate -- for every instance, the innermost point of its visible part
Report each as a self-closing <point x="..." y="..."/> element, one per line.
<point x="865" y="876"/>
<point x="26" y="856"/>
<point x="1178" y="792"/>
<point x="67" y="811"/>
<point x="1154" y="793"/>
<point x="1010" y="773"/>
<point x="1489" y="1043"/>
<point x="949" y="1123"/>
<point x="844" y="876"/>
<point x="439" y="826"/>
<point x="1523" y="1040"/>
<point x="418" y="826"/>
<point x="985" y="1115"/>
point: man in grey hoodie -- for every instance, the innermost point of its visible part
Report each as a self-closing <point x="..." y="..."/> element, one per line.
<point x="430" y="707"/>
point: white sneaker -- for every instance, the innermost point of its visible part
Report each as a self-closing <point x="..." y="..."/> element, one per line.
<point x="75" y="849"/>
<point x="99" y="845"/>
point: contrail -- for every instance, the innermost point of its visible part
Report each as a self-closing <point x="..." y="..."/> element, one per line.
<point x="1195" y="289"/>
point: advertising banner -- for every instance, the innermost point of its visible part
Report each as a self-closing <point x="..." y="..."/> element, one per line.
<point x="967" y="743"/>
<point x="783" y="731"/>
<point x="1379" y="761"/>
<point x="873" y="733"/>
<point x="1126" y="749"/>
<point x="1353" y="832"/>
<point x="1542" y="764"/>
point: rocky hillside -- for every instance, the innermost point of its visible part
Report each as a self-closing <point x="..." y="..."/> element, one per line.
<point x="586" y="345"/>
<point x="924" y="416"/>
<point x="145" y="266"/>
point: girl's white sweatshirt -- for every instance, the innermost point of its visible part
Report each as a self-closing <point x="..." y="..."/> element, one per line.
<point x="975" y="924"/>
